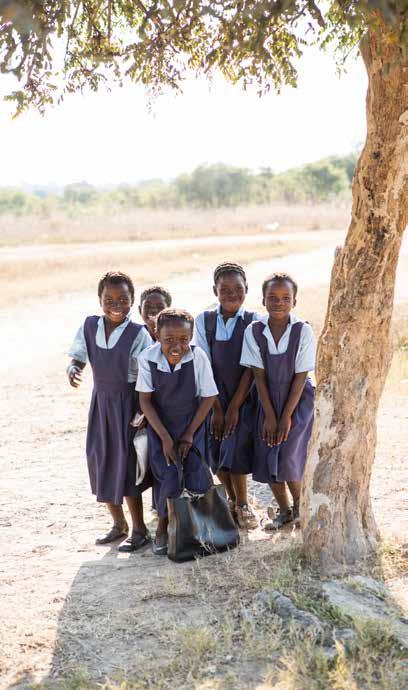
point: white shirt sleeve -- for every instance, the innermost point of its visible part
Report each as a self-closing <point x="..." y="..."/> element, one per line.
<point x="251" y="355"/>
<point x="199" y="336"/>
<point x="78" y="349"/>
<point x="306" y="354"/>
<point x="144" y="383"/>
<point x="140" y="343"/>
<point x="205" y="384"/>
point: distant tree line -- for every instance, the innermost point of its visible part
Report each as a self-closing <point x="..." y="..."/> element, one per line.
<point x="208" y="186"/>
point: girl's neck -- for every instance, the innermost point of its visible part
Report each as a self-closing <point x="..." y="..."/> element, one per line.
<point x="278" y="323"/>
<point x="227" y="315"/>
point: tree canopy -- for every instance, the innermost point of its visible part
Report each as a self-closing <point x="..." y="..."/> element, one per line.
<point x="58" y="47"/>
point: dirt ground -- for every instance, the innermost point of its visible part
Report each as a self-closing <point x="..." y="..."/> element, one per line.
<point x="67" y="605"/>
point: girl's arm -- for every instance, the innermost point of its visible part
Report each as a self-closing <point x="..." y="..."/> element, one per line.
<point x="199" y="417"/>
<point x="155" y="422"/>
<point x="239" y="397"/>
<point x="295" y="393"/>
<point x="270" y="423"/>
<point x="217" y="420"/>
<point x="74" y="372"/>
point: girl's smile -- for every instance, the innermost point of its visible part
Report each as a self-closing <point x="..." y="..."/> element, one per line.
<point x="279" y="299"/>
<point x="175" y="339"/>
<point x="116" y="302"/>
<point x="230" y="290"/>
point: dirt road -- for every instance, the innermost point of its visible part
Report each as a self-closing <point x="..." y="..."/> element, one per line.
<point x="65" y="603"/>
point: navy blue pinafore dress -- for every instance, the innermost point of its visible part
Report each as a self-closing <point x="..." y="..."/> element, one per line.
<point x="176" y="402"/>
<point x="235" y="453"/>
<point x="285" y="462"/>
<point x="109" y="445"/>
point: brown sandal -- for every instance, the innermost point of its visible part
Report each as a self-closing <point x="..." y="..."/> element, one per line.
<point x="117" y="532"/>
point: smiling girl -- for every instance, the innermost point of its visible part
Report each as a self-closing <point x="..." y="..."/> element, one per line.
<point x="177" y="390"/>
<point x="281" y="350"/>
<point x="112" y="343"/>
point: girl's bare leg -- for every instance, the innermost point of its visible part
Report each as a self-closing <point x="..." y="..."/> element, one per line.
<point x="135" y="505"/>
<point x="246" y="518"/>
<point x="225" y="478"/>
<point x="120" y="527"/>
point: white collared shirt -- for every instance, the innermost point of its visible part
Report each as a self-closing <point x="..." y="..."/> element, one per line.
<point x="224" y="330"/>
<point x="306" y="354"/>
<point x="204" y="379"/>
<point x="79" y="351"/>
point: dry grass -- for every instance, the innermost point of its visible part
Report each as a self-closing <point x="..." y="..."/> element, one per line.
<point x="156" y="224"/>
<point x="236" y="644"/>
<point x="50" y="276"/>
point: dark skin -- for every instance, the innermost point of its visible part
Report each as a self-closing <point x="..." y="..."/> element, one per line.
<point x="231" y="290"/>
<point x="174" y="338"/>
<point x="150" y="308"/>
<point x="116" y="302"/>
<point x="279" y="300"/>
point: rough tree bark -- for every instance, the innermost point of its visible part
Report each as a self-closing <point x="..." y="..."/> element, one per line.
<point x="354" y="350"/>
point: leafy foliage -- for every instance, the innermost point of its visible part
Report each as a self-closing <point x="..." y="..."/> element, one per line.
<point x="212" y="186"/>
<point x="53" y="48"/>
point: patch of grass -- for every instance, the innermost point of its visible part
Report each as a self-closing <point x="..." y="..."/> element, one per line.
<point x="316" y="603"/>
<point x="374" y="661"/>
<point x="390" y="561"/>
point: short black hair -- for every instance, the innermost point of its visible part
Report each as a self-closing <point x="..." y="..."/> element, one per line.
<point x="116" y="278"/>
<point x="171" y="315"/>
<point x="279" y="278"/>
<point x="161" y="291"/>
<point x="228" y="267"/>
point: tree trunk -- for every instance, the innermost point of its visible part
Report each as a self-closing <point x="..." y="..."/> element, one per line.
<point x="354" y="351"/>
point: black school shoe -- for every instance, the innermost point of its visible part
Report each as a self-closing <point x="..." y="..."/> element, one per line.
<point x="135" y="542"/>
<point x="280" y="520"/>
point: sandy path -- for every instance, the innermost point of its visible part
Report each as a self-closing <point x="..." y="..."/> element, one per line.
<point x="65" y="602"/>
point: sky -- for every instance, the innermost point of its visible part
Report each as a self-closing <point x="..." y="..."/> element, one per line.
<point x="113" y="137"/>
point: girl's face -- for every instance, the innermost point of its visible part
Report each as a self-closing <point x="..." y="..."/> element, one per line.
<point x="150" y="308"/>
<point x="116" y="302"/>
<point x="230" y="289"/>
<point x="279" y="299"/>
<point x="174" y="339"/>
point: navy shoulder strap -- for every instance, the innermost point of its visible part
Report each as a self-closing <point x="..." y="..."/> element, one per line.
<point x="210" y="325"/>
<point x="248" y="316"/>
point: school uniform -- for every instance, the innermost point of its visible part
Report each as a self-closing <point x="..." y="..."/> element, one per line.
<point x="295" y="353"/>
<point x="109" y="445"/>
<point x="176" y="395"/>
<point x="222" y="342"/>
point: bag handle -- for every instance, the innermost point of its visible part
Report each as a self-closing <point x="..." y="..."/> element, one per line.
<point x="180" y="467"/>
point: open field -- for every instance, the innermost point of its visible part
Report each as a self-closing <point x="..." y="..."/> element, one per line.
<point x="144" y="224"/>
<point x="79" y="617"/>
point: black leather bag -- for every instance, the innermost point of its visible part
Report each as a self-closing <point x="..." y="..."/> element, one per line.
<point x="200" y="525"/>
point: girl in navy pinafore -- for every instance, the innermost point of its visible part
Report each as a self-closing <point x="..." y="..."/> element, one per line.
<point x="111" y="344"/>
<point x="176" y="390"/>
<point x="284" y="416"/>
<point x="220" y="333"/>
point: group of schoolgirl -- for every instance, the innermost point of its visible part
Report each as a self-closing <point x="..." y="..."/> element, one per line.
<point x="231" y="384"/>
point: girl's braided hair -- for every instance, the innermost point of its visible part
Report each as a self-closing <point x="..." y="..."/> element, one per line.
<point x="116" y="278"/>
<point x="156" y="289"/>
<point x="280" y="278"/>
<point x="170" y="315"/>
<point x="227" y="267"/>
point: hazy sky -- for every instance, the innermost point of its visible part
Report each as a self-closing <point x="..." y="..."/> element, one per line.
<point x="112" y="137"/>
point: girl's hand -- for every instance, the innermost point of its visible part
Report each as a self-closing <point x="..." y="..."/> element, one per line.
<point x="184" y="446"/>
<point x="217" y="423"/>
<point x="74" y="375"/>
<point x="284" y="427"/>
<point x="231" y="420"/>
<point x="270" y="426"/>
<point x="169" y="450"/>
